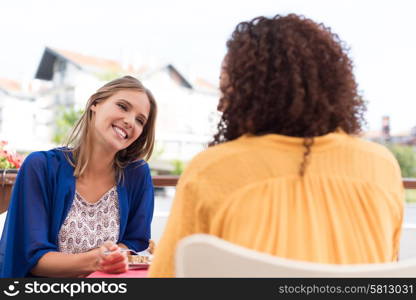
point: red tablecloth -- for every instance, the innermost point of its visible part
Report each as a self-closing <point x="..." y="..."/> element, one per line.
<point x="140" y="273"/>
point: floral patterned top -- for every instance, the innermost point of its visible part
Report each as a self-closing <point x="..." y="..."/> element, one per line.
<point x="89" y="225"/>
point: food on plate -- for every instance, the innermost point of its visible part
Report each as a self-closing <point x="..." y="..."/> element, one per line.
<point x="138" y="259"/>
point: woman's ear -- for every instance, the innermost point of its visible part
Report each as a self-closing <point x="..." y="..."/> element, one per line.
<point x="93" y="107"/>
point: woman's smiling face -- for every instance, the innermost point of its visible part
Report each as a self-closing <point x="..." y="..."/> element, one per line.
<point x="119" y="120"/>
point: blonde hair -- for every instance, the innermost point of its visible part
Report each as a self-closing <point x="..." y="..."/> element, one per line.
<point x="78" y="142"/>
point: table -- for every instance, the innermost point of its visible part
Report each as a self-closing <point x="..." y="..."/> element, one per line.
<point x="134" y="273"/>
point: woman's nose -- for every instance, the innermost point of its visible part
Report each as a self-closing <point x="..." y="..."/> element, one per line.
<point x="129" y="120"/>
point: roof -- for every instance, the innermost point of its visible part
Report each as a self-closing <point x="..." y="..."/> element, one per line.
<point x="177" y="77"/>
<point x="84" y="62"/>
<point x="45" y="68"/>
<point x="205" y="86"/>
<point x="10" y="85"/>
<point x="371" y="134"/>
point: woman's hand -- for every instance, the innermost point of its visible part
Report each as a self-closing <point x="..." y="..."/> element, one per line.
<point x="151" y="248"/>
<point x="111" y="259"/>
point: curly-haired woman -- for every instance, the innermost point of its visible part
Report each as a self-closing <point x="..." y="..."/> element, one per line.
<point x="287" y="174"/>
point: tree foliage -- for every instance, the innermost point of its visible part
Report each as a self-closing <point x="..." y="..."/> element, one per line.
<point x="406" y="156"/>
<point x="67" y="117"/>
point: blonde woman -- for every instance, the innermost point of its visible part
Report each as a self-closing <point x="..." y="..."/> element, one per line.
<point x="72" y="206"/>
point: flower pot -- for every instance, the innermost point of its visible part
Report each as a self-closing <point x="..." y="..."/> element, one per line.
<point x="7" y="179"/>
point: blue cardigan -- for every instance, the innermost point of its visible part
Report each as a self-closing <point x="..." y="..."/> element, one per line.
<point x="41" y="198"/>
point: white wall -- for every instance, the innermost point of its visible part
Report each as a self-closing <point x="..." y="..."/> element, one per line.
<point x="19" y="123"/>
<point x="186" y="119"/>
<point x="85" y="85"/>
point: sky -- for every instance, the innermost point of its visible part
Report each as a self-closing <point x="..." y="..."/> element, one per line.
<point x="192" y="35"/>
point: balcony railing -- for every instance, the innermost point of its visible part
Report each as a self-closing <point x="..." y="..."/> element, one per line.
<point x="168" y="180"/>
<point x="409" y="183"/>
<point x="160" y="181"/>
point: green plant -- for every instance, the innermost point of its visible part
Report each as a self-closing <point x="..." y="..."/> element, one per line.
<point x="178" y="167"/>
<point x="410" y="196"/>
<point x="406" y="156"/>
<point x="64" y="123"/>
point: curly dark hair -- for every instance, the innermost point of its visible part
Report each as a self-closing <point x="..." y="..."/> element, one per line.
<point x="287" y="75"/>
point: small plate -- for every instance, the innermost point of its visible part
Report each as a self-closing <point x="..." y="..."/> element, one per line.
<point x="139" y="261"/>
<point x="141" y="266"/>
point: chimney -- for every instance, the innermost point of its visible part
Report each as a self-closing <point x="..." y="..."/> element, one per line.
<point x="385" y="128"/>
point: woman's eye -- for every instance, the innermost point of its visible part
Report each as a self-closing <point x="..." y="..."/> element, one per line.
<point x="122" y="106"/>
<point x="140" y="121"/>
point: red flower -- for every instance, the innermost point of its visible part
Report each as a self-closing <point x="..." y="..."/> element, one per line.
<point x="12" y="159"/>
<point x="15" y="159"/>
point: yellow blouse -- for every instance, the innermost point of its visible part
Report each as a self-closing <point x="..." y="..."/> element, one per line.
<point x="347" y="209"/>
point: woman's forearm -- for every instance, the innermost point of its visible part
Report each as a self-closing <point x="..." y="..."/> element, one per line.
<point x="59" y="264"/>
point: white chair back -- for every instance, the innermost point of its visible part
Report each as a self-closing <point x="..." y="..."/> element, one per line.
<point x="202" y="255"/>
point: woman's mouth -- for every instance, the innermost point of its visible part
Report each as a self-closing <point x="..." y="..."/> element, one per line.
<point x="120" y="132"/>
